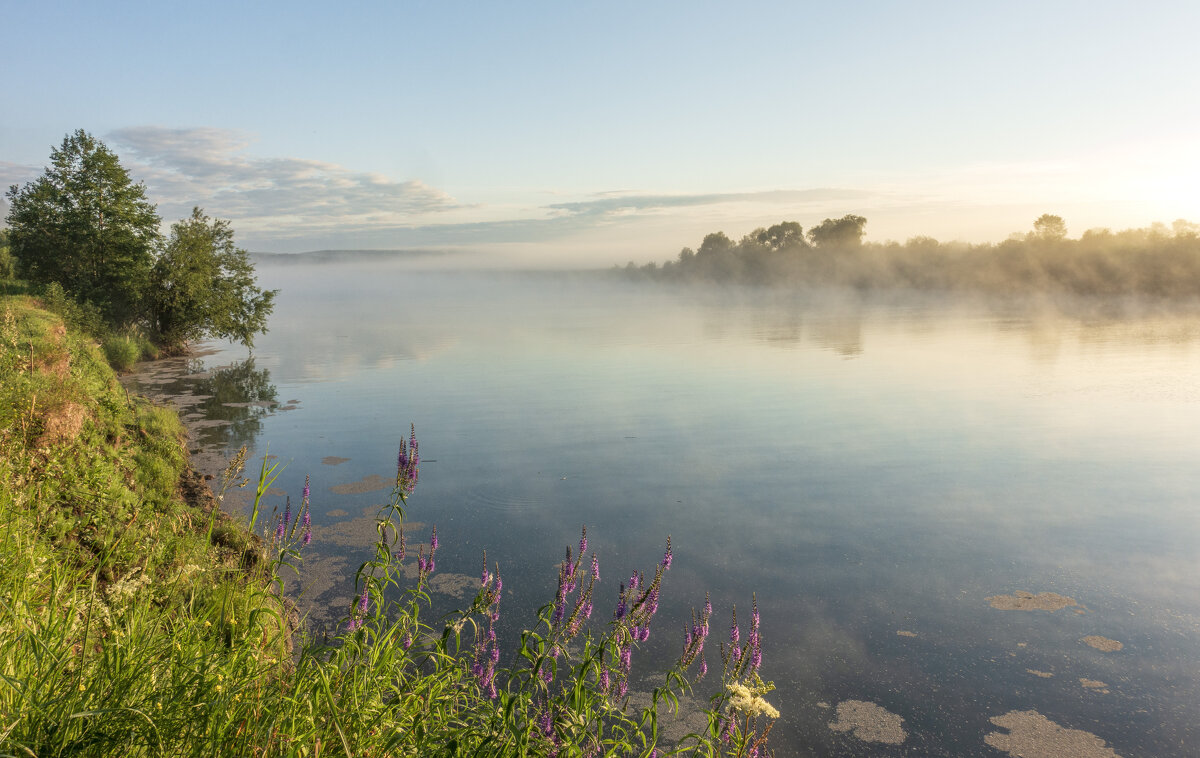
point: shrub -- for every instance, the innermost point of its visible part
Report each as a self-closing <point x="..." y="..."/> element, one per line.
<point x="122" y="351"/>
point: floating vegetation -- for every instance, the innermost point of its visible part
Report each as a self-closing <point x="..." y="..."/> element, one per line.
<point x="1032" y="735"/>
<point x="869" y="722"/>
<point x="1103" y="644"/>
<point x="1022" y="600"/>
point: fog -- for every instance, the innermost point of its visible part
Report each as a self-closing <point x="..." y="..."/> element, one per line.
<point x="1156" y="261"/>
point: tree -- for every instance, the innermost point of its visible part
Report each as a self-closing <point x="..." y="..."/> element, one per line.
<point x="87" y="226"/>
<point x="204" y="286"/>
<point x="786" y="234"/>
<point x="1049" y="228"/>
<point x="714" y="244"/>
<point x="845" y="232"/>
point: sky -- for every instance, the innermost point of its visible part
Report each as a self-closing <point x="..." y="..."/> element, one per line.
<point x="585" y="133"/>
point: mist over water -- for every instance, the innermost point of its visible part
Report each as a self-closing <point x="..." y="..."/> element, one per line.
<point x="874" y="470"/>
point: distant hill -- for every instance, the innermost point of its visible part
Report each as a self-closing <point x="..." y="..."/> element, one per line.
<point x="348" y="256"/>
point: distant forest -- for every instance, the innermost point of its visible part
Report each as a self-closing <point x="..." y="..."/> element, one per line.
<point x="1159" y="261"/>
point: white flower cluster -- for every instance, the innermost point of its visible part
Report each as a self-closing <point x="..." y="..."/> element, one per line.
<point x="749" y="701"/>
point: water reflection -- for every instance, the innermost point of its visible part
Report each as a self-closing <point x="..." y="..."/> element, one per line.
<point x="224" y="406"/>
<point x="240" y="394"/>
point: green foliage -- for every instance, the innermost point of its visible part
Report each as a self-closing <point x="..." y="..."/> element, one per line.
<point x="8" y="266"/>
<point x="845" y="232"/>
<point x="122" y="351"/>
<point x="85" y="225"/>
<point x="88" y="236"/>
<point x="204" y="286"/>
<point x="82" y="317"/>
<point x="1157" y="261"/>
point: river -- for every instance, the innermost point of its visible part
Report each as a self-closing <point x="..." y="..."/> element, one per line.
<point x="950" y="512"/>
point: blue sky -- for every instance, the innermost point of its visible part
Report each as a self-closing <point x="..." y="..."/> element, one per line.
<point x="584" y="133"/>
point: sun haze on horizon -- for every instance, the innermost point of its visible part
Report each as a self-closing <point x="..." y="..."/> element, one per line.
<point x="593" y="134"/>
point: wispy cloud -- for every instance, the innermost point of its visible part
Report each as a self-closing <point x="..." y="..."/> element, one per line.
<point x="210" y="168"/>
<point x="618" y="204"/>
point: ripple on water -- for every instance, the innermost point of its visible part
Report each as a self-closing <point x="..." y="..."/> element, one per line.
<point x="493" y="499"/>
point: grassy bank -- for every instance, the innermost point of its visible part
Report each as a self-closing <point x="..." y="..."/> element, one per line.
<point x="136" y="621"/>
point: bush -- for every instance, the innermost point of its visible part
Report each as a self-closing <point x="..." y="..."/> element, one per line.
<point x="122" y="351"/>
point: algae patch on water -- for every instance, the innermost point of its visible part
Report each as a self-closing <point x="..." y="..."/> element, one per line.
<point x="1027" y="601"/>
<point x="1103" y="644"/>
<point x="372" y="483"/>
<point x="1032" y="735"/>
<point x="869" y="722"/>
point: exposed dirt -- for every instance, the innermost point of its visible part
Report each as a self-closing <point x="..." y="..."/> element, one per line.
<point x="62" y="424"/>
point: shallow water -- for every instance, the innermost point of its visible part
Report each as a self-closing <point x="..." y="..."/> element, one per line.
<point x="873" y="471"/>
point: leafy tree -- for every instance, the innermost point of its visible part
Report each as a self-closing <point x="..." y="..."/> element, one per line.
<point x="846" y="231"/>
<point x="204" y="286"/>
<point x="715" y="244"/>
<point x="1049" y="228"/>
<point x="87" y="226"/>
<point x="786" y="234"/>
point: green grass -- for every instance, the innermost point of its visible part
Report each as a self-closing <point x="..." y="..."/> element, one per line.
<point x="132" y="623"/>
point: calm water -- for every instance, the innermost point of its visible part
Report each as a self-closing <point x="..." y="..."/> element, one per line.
<point x="873" y="472"/>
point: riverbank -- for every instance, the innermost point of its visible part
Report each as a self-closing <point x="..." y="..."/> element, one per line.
<point x="126" y="589"/>
<point x="136" y="620"/>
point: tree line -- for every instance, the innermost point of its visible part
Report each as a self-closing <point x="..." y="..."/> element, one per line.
<point x="1157" y="260"/>
<point x="87" y="235"/>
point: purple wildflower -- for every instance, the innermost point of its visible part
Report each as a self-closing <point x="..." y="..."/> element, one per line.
<point x="755" y="639"/>
<point x="595" y="568"/>
<point x="406" y="464"/>
<point x="667" y="557"/>
<point x="306" y="522"/>
<point x="407" y="642"/>
<point x="287" y="513"/>
<point x="399" y="554"/>
<point x="364" y="601"/>
<point x="433" y="541"/>
<point x="583" y="543"/>
<point x="605" y="681"/>
<point x="304" y="497"/>
<point x="703" y="666"/>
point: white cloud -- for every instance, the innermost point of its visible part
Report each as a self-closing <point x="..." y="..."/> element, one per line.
<point x="268" y="197"/>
